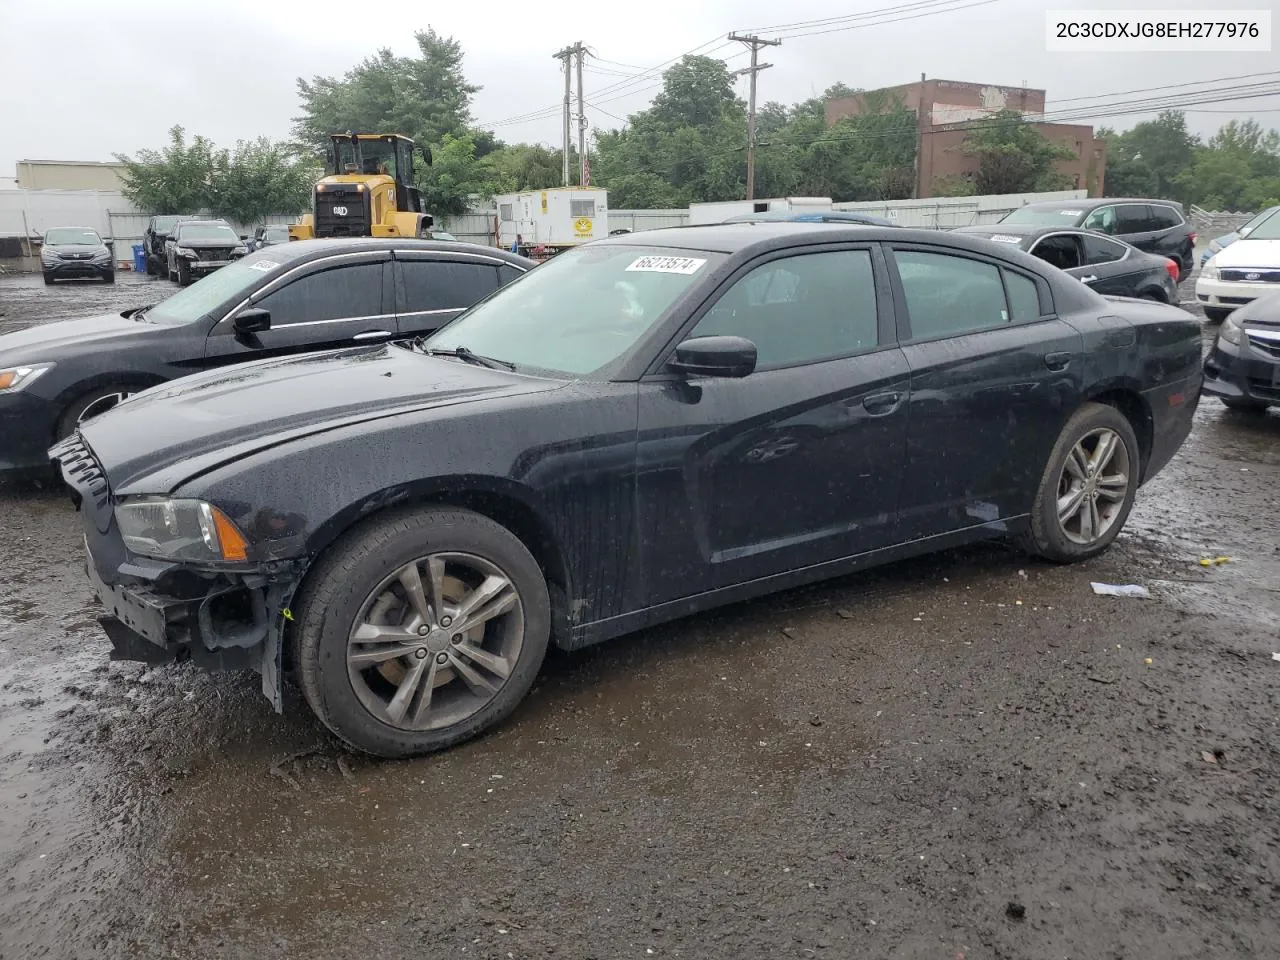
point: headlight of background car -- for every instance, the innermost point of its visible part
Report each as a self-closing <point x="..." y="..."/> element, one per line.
<point x="1232" y="330"/>
<point x="184" y="252"/>
<point x="14" y="379"/>
<point x="179" y="530"/>
<point x="48" y="253"/>
<point x="1210" y="272"/>
<point x="240" y="250"/>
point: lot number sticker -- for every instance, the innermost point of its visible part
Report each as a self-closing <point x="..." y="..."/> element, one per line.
<point x="264" y="265"/>
<point x="1005" y="238"/>
<point x="685" y="265"/>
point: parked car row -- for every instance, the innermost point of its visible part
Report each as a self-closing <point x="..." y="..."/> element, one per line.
<point x="410" y="522"/>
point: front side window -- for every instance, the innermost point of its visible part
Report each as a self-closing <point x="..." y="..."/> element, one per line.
<point x="949" y="295"/>
<point x="339" y="293"/>
<point x="581" y="310"/>
<point x="427" y="285"/>
<point x="1101" y="250"/>
<point x="1061" y="250"/>
<point x="801" y="309"/>
<point x="1104" y="219"/>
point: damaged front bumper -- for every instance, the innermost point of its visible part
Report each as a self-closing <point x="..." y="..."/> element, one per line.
<point x="225" y="617"/>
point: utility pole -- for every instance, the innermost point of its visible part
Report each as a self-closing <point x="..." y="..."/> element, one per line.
<point x="581" y="51"/>
<point x="920" y="116"/>
<point x="563" y="56"/>
<point x="755" y="43"/>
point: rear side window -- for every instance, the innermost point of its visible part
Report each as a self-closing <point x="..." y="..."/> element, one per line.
<point x="1024" y="297"/>
<point x="507" y="273"/>
<point x="949" y="295"/>
<point x="339" y="293"/>
<point x="1135" y="218"/>
<point x="1101" y="250"/>
<point x="1061" y="250"/>
<point x="443" y="284"/>
<point x="1162" y="217"/>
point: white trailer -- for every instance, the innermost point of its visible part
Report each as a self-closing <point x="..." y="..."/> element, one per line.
<point x="547" y="221"/>
<point x="720" y="211"/>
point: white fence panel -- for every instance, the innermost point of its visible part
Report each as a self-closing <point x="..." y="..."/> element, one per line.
<point x="946" y="212"/>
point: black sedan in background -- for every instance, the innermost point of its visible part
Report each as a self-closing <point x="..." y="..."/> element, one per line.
<point x="290" y="298"/>
<point x="1111" y="267"/>
<point x="1243" y="368"/>
<point x="641" y="428"/>
<point x="75" y="252"/>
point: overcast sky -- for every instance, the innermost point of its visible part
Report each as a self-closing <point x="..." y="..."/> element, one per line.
<point x="85" y="80"/>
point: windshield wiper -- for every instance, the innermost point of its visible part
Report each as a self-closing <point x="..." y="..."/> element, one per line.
<point x="465" y="355"/>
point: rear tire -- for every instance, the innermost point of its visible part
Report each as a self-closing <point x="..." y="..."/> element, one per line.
<point x="1215" y="314"/>
<point x="359" y="583"/>
<point x="1094" y="490"/>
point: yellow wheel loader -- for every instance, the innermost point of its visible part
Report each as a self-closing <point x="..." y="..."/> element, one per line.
<point x="367" y="190"/>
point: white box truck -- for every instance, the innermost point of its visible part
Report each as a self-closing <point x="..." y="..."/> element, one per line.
<point x="720" y="211"/>
<point x="543" y="222"/>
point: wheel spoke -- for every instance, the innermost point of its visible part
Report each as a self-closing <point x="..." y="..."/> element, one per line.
<point x="381" y="633"/>
<point x="435" y="574"/>
<point x="372" y="655"/>
<point x="1087" y="518"/>
<point x="490" y="661"/>
<point x="1113" y="487"/>
<point x="1077" y="460"/>
<point x="428" y="688"/>
<point x="1069" y="505"/>
<point x="493" y="597"/>
<point x="411" y="580"/>
<point x="1104" y="451"/>
<point x="472" y="677"/>
<point x="399" y="704"/>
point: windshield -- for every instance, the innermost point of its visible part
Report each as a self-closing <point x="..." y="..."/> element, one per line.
<point x="1268" y="229"/>
<point x="63" y="235"/>
<point x="1045" y="216"/>
<point x="231" y="282"/>
<point x="276" y="233"/>
<point x="166" y="224"/>
<point x="579" y="311"/>
<point x="1261" y="218"/>
<point x="206" y="231"/>
<point x="375" y="156"/>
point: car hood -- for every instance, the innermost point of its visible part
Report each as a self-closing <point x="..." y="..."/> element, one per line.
<point x="1248" y="252"/>
<point x="217" y="242"/>
<point x="66" y="249"/>
<point x="162" y="437"/>
<point x="44" y="343"/>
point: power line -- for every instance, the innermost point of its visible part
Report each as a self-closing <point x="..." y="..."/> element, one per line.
<point x="863" y="15"/>
<point x="754" y="44"/>
<point x="1167" y="86"/>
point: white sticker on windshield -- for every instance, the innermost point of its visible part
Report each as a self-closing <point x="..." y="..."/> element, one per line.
<point x="264" y="265"/>
<point x="1005" y="238"/>
<point x="685" y="265"/>
<point x="1070" y="213"/>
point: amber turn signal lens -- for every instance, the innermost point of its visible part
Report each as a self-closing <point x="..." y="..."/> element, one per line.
<point x="230" y="540"/>
<point x="7" y="379"/>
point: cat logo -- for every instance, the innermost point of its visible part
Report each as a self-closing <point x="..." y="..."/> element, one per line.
<point x="339" y="211"/>
<point x="582" y="227"/>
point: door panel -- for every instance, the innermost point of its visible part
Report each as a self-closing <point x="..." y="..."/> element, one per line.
<point x="798" y="462"/>
<point x="1106" y="269"/>
<point x="328" y="308"/>
<point x="986" y="405"/>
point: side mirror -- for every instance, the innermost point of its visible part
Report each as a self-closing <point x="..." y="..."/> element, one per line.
<point x="714" y="357"/>
<point x="244" y="236"/>
<point x="253" y="320"/>
<point x="109" y="244"/>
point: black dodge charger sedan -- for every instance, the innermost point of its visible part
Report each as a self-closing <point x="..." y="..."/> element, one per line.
<point x="290" y="298"/>
<point x="641" y="428"/>
<point x="1109" y="266"/>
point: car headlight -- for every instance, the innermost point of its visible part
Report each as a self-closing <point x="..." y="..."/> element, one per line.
<point x="1232" y="330"/>
<point x="179" y="530"/>
<point x="1209" y="272"/>
<point x="14" y="379"/>
<point x="102" y="255"/>
<point x="185" y="252"/>
<point x="48" y="253"/>
<point x="240" y="250"/>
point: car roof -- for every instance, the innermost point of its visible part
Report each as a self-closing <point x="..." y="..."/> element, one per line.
<point x="760" y="235"/>
<point x="1090" y="203"/>
<point x="811" y="216"/>
<point x="313" y="249"/>
<point x="1026" y="230"/>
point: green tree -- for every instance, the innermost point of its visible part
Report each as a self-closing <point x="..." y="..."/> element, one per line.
<point x="178" y="178"/>
<point x="424" y="96"/>
<point x="1013" y="156"/>
<point x="261" y="178"/>
<point x="1151" y="159"/>
<point x="1238" y="169"/>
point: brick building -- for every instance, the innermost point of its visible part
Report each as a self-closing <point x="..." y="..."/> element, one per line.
<point x="947" y="106"/>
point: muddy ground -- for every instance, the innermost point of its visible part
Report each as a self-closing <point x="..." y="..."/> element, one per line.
<point x="965" y="756"/>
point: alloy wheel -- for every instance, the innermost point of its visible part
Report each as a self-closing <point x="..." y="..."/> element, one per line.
<point x="435" y="641"/>
<point x="1093" y="486"/>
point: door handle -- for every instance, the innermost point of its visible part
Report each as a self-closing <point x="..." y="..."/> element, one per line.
<point x="372" y="335"/>
<point x="1057" y="361"/>
<point x="1089" y="279"/>
<point x="878" y="404"/>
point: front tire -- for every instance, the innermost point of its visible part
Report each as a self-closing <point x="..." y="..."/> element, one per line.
<point x="1088" y="487"/>
<point x="109" y="276"/>
<point x="48" y="278"/>
<point x="184" y="274"/>
<point x="420" y="630"/>
<point x="89" y="405"/>
<point x="1215" y="314"/>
